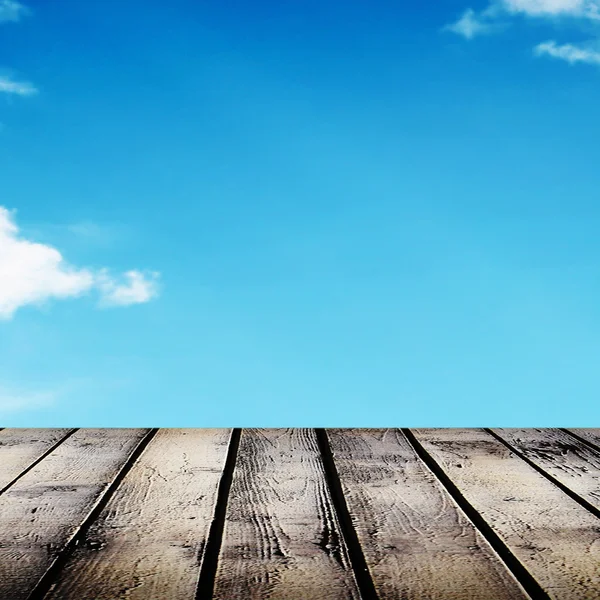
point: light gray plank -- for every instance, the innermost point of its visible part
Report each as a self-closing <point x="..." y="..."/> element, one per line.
<point x="148" y="540"/>
<point x="556" y="539"/>
<point x="282" y="538"/>
<point x="417" y="542"/>
<point x="569" y="461"/>
<point x="20" y="448"/>
<point x="42" y="511"/>
<point x="590" y="435"/>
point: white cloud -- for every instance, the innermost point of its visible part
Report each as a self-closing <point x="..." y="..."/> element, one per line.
<point x="469" y="25"/>
<point x="137" y="288"/>
<point x="33" y="273"/>
<point x="12" y="11"/>
<point x="474" y="23"/>
<point x="19" y="88"/>
<point x="568" y="52"/>
<point x="545" y="8"/>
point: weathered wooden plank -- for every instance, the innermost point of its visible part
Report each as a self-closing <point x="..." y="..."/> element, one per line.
<point x="590" y="435"/>
<point x="148" y="540"/>
<point x="417" y="542"/>
<point x="562" y="456"/>
<point x="42" y="511"/>
<point x="20" y="448"/>
<point x="555" y="538"/>
<point x="282" y="537"/>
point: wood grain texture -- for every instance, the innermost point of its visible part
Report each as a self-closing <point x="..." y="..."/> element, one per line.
<point x="565" y="458"/>
<point x="417" y="542"/>
<point x="20" y="448"/>
<point x="43" y="510"/>
<point x="590" y="435"/>
<point x="282" y="538"/>
<point x="148" y="541"/>
<point x="555" y="538"/>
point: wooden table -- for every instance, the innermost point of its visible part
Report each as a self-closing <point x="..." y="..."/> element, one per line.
<point x="299" y="514"/>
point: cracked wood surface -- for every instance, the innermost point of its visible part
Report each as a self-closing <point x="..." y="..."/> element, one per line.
<point x="147" y="528"/>
<point x="417" y="542"/>
<point x="20" y="448"/>
<point x="555" y="538"/>
<point x="42" y="511"/>
<point x="147" y="542"/>
<point x="282" y="538"/>
<point x="592" y="436"/>
<point x="562" y="456"/>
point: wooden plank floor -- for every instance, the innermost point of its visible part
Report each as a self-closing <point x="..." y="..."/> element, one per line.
<point x="300" y="514"/>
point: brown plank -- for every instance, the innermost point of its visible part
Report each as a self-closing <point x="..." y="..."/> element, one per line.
<point x="417" y="542"/>
<point x="556" y="539"/>
<point x="148" y="540"/>
<point x="282" y="538"/>
<point x="42" y="511"/>
<point x="569" y="461"/>
<point x="20" y="448"/>
<point x="589" y="435"/>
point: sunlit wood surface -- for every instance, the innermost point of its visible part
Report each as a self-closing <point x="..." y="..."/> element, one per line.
<point x="300" y="514"/>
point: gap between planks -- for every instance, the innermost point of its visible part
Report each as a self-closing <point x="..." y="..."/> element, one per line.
<point x="362" y="574"/>
<point x="208" y="570"/>
<point x="282" y="537"/>
<point x="213" y="547"/>
<point x="551" y="535"/>
<point x="43" y="585"/>
<point x="544" y="472"/>
<point x="523" y="576"/>
<point x="34" y="452"/>
<point x="150" y="539"/>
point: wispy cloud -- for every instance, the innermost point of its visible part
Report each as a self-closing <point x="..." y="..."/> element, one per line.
<point x="12" y="11"/>
<point x="83" y="234"/>
<point x="33" y="273"/>
<point x="136" y="288"/>
<point x="568" y="52"/>
<point x="500" y="12"/>
<point x="87" y="230"/>
<point x="14" y="400"/>
<point x="470" y="25"/>
<point x="18" y="88"/>
<point x="586" y="9"/>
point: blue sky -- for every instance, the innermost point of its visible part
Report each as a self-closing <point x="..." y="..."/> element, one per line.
<point x="303" y="213"/>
